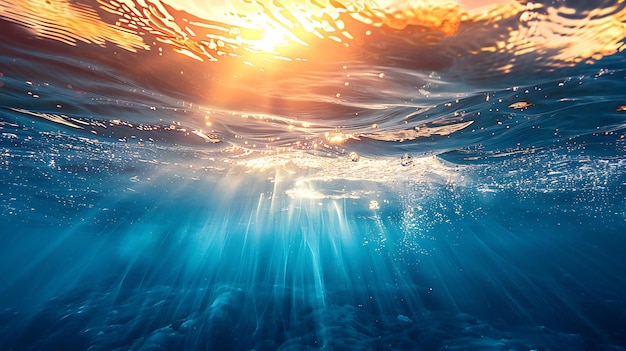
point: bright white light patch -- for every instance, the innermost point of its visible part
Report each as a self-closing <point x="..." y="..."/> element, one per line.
<point x="272" y="38"/>
<point x="374" y="205"/>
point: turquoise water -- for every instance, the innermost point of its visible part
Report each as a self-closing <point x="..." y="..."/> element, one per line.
<point x="414" y="184"/>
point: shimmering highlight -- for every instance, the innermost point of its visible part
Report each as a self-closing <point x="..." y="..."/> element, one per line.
<point x="69" y="23"/>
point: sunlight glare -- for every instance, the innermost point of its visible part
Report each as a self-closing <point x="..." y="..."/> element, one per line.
<point x="271" y="39"/>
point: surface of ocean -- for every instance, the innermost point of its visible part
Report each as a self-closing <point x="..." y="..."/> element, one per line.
<point x="318" y="174"/>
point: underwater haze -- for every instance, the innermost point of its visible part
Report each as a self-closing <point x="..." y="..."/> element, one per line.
<point x="316" y="174"/>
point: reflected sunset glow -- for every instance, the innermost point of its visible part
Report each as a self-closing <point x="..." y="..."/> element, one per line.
<point x="319" y="60"/>
<point x="262" y="31"/>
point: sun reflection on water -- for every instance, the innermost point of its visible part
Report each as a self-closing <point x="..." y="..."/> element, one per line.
<point x="502" y="35"/>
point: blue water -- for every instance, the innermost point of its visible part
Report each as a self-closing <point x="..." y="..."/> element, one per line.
<point x="312" y="175"/>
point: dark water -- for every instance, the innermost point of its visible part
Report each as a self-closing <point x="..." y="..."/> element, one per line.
<point x="255" y="175"/>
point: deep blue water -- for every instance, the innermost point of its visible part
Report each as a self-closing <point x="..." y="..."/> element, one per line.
<point x="312" y="175"/>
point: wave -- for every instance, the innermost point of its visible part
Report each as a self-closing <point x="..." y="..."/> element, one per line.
<point x="375" y="78"/>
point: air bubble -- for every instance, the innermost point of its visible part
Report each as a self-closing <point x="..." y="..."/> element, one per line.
<point x="406" y="160"/>
<point x="354" y="157"/>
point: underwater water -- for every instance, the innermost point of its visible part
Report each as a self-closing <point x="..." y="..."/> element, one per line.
<point x="318" y="174"/>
